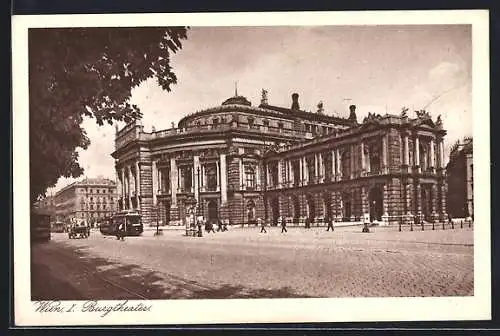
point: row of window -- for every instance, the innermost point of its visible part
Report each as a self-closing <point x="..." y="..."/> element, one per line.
<point x="97" y="207"/>
<point x="97" y="190"/>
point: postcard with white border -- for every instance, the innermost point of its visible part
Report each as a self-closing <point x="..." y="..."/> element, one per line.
<point x="208" y="168"/>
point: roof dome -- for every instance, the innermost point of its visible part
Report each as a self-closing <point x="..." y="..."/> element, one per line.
<point x="237" y="100"/>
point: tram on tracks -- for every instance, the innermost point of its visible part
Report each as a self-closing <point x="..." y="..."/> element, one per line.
<point x="131" y="220"/>
<point x="40" y="226"/>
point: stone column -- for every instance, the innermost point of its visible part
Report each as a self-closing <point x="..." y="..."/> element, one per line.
<point x="441" y="153"/>
<point x="241" y="174"/>
<point x="138" y="185"/>
<point x="223" y="174"/>
<point x="434" y="201"/>
<point x="408" y="196"/>
<point x="365" y="203"/>
<point x="305" y="170"/>
<point x="196" y="166"/>
<point x="363" y="163"/>
<point x="130" y="179"/>
<point x="292" y="174"/>
<point x="385" y="169"/>
<point x="432" y="164"/>
<point x="339" y="165"/>
<point x="301" y="173"/>
<point x="202" y="178"/>
<point x="444" y="213"/>
<point x="257" y="176"/>
<point x="334" y="168"/>
<point x="385" y="200"/>
<point x="406" y="151"/>
<point x="217" y="177"/>
<point x="122" y="173"/>
<point x="417" y="154"/>
<point x="321" y="168"/>
<point x="154" y="175"/>
<point x="174" y="182"/>
<point x="418" y="199"/>
<point x="280" y="173"/>
<point x="368" y="167"/>
<point x="268" y="177"/>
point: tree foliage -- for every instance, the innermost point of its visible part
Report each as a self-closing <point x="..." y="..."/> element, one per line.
<point x="77" y="72"/>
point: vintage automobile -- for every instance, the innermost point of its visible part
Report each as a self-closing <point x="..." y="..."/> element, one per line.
<point x="79" y="231"/>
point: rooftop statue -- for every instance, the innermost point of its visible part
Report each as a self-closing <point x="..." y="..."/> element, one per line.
<point x="372" y="116"/>
<point x="263" y="100"/>
<point x="422" y="114"/>
<point x="404" y="111"/>
<point x="439" y="122"/>
<point x="320" y="107"/>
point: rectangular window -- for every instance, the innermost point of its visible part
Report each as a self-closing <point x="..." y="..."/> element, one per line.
<point x="266" y="123"/>
<point x="280" y="125"/>
<point x="251" y="122"/>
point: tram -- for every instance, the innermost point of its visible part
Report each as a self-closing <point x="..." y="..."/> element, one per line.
<point x="131" y="219"/>
<point x="40" y="226"/>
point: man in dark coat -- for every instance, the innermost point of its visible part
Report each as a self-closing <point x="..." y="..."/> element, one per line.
<point x="330" y="224"/>
<point x="283" y="225"/>
<point x="262" y="225"/>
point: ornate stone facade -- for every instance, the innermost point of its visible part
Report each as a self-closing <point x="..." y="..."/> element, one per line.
<point x="242" y="162"/>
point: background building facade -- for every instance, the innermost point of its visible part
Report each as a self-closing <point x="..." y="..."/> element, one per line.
<point x="242" y="162"/>
<point x="88" y="199"/>
<point x="460" y="178"/>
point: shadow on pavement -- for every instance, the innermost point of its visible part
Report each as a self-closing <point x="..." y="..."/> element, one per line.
<point x="64" y="272"/>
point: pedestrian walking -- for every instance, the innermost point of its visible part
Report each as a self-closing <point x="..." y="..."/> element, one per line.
<point x="283" y="225"/>
<point x="219" y="225"/>
<point x="330" y="224"/>
<point x="120" y="234"/>
<point x="211" y="227"/>
<point x="262" y="225"/>
<point x="224" y="225"/>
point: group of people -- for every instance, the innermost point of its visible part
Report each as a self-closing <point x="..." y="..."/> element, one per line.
<point x="222" y="225"/>
<point x="282" y="222"/>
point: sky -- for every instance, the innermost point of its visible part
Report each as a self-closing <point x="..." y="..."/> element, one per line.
<point x="377" y="68"/>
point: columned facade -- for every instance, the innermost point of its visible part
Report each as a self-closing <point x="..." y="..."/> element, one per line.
<point x="239" y="162"/>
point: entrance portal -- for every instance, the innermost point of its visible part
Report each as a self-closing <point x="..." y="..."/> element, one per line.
<point x="426" y="202"/>
<point x="296" y="209"/>
<point x="251" y="212"/>
<point x="327" y="209"/>
<point x="376" y="199"/>
<point x="213" y="211"/>
<point x="275" y="211"/>
<point x="346" y="207"/>
<point x="311" y="208"/>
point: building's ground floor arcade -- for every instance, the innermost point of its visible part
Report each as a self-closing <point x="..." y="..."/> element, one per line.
<point x="388" y="200"/>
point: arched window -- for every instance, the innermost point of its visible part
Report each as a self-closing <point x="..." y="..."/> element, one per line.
<point x="310" y="169"/>
<point x="250" y="176"/>
<point x="251" y="211"/>
<point x="186" y="178"/>
<point x="211" y="173"/>
<point x="346" y="164"/>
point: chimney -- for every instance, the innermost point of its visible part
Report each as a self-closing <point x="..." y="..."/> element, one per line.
<point x="352" y="114"/>
<point x="295" y="101"/>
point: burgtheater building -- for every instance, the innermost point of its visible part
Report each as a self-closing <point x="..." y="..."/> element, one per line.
<point x="240" y="162"/>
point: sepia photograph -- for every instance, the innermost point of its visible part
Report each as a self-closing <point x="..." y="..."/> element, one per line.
<point x="230" y="168"/>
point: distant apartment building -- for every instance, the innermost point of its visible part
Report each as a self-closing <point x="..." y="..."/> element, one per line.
<point x="88" y="199"/>
<point x="460" y="178"/>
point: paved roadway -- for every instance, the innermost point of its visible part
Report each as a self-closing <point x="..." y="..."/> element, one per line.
<point x="243" y="263"/>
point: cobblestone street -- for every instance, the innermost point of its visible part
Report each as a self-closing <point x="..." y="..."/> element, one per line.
<point x="243" y="263"/>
